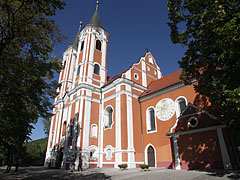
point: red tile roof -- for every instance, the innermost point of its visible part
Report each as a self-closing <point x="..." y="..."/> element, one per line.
<point x="162" y="83"/>
<point x="111" y="79"/>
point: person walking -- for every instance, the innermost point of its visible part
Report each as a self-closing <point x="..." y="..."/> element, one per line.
<point x="80" y="164"/>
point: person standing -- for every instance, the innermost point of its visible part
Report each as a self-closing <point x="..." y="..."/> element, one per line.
<point x="80" y="164"/>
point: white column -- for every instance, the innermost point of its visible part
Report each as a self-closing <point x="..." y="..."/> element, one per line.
<point x="144" y="77"/>
<point x="118" y="153"/>
<point x="131" y="156"/>
<point x="224" y="152"/>
<point x="59" y="122"/>
<point x="91" y="55"/>
<point x="103" y="63"/>
<point x="86" y="130"/>
<point x="177" y="159"/>
<point x="100" y="133"/>
<point x="84" y="58"/>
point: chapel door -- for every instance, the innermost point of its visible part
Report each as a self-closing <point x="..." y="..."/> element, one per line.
<point x="151" y="157"/>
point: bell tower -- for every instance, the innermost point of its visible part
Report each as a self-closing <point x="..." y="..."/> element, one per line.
<point x="90" y="66"/>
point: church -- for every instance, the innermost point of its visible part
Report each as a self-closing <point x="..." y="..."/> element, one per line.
<point x="136" y="117"/>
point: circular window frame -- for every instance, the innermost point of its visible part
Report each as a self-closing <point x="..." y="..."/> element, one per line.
<point x="136" y="76"/>
<point x="190" y="124"/>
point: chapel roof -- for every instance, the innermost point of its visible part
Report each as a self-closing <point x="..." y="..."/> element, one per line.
<point x="162" y="83"/>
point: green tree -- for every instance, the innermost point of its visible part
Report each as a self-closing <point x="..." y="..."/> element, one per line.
<point x="46" y="125"/>
<point x="27" y="36"/>
<point x="210" y="31"/>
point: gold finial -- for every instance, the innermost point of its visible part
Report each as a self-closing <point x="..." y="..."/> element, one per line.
<point x="97" y="4"/>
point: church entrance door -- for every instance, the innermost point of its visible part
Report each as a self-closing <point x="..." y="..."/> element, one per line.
<point x="151" y="157"/>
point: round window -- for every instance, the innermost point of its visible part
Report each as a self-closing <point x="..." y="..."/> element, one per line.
<point x="193" y="122"/>
<point x="136" y="76"/>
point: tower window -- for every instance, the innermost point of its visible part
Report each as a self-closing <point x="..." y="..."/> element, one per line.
<point x="98" y="45"/>
<point x="108" y="117"/>
<point x="151" y="120"/>
<point x="64" y="128"/>
<point x="78" y="70"/>
<point x="96" y="69"/>
<point x="64" y="64"/>
<point x="82" y="45"/>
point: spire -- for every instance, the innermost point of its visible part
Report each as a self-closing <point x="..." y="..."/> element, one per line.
<point x="74" y="43"/>
<point x="97" y="4"/>
<point x="95" y="20"/>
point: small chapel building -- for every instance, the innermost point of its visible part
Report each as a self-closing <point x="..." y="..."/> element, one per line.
<point x="137" y="117"/>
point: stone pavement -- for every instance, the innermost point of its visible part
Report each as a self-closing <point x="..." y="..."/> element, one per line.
<point x="41" y="173"/>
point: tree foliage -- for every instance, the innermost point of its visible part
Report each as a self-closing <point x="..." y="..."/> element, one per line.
<point x="210" y="31"/>
<point x="27" y="36"/>
<point x="46" y="125"/>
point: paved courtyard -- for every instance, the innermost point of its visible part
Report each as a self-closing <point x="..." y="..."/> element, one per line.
<point x="41" y="173"/>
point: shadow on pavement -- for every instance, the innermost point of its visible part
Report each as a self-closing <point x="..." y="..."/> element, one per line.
<point x="40" y="173"/>
<point x="231" y="174"/>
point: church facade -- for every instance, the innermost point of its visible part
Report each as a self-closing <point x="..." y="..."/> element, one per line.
<point x="137" y="117"/>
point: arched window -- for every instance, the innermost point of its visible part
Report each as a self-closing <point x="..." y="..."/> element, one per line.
<point x="96" y="69"/>
<point x="98" y="45"/>
<point x="108" y="151"/>
<point x="64" y="64"/>
<point x="78" y="70"/>
<point x="64" y="128"/>
<point x="93" y="152"/>
<point x="151" y="120"/>
<point x="94" y="130"/>
<point x="108" y="117"/>
<point x="181" y="105"/>
<point x="82" y="45"/>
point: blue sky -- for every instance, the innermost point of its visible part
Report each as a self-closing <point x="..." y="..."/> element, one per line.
<point x="133" y="25"/>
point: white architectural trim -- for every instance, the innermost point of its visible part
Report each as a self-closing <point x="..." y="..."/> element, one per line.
<point x="162" y="91"/>
<point x="123" y="81"/>
<point x="100" y="131"/>
<point x="93" y="132"/>
<point x="130" y="129"/>
<point x="225" y="156"/>
<point x="112" y="116"/>
<point x="118" y="155"/>
<point x="144" y="78"/>
<point x="148" y="120"/>
<point x="197" y="130"/>
<point x="176" y="154"/>
<point x="146" y="154"/>
<point x="103" y="63"/>
<point x="192" y="114"/>
<point x="178" y="111"/>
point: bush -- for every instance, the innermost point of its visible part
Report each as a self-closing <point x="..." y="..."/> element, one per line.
<point x="144" y="166"/>
<point x="122" y="166"/>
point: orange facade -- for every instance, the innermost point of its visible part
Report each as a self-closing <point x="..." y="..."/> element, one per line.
<point x="137" y="117"/>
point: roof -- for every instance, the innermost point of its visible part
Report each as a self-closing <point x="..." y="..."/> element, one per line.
<point x="110" y="80"/>
<point x="95" y="20"/>
<point x="162" y="83"/>
<point x="74" y="42"/>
